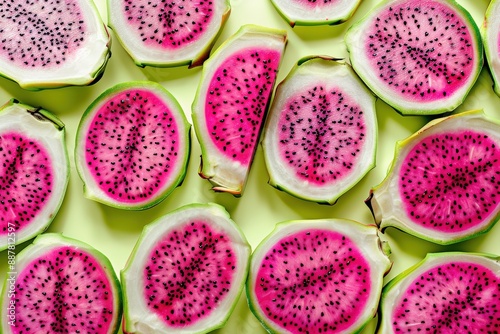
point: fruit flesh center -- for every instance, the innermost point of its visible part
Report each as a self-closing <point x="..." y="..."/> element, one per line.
<point x="169" y="24"/>
<point x="321" y="133"/>
<point x="313" y="4"/>
<point x="189" y="274"/>
<point x="26" y="181"/>
<point x="450" y="298"/>
<point x="421" y="50"/>
<point x="313" y="281"/>
<point x="237" y="99"/>
<point x="132" y="144"/>
<point x="40" y="34"/>
<point x="61" y="291"/>
<point x="449" y="182"/>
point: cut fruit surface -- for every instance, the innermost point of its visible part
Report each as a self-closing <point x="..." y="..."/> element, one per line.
<point x="34" y="171"/>
<point x="168" y="33"/>
<point x="321" y="134"/>
<point x="442" y="183"/>
<point x="132" y="146"/>
<point x="420" y="57"/>
<point x="231" y="104"/>
<point x="490" y="31"/>
<point x="185" y="273"/>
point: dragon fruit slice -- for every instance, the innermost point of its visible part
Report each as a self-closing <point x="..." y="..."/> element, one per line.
<point x="320" y="137"/>
<point x="231" y="104"/>
<point x="61" y="285"/>
<point x="50" y="44"/>
<point x="490" y="32"/>
<point x="34" y="171"/>
<point x="420" y="57"/>
<point x="185" y="273"/>
<point x="308" y="13"/>
<point x="132" y="146"/>
<point x="442" y="185"/>
<point x="445" y="293"/>
<point x="317" y="276"/>
<point x="168" y="33"/>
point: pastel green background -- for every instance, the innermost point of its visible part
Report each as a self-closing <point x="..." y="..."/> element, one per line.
<point x="115" y="232"/>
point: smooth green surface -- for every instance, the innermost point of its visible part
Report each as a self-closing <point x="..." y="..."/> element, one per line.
<point x="114" y="232"/>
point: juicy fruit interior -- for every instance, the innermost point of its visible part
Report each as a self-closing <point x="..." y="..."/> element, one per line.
<point x="458" y="297"/>
<point x="132" y="145"/>
<point x="189" y="273"/>
<point x="313" y="281"/>
<point x="311" y="4"/>
<point x="321" y="144"/>
<point x="420" y="50"/>
<point x="448" y="182"/>
<point x="169" y="25"/>
<point x="236" y="101"/>
<point x="63" y="290"/>
<point x="33" y="26"/>
<point x="26" y="180"/>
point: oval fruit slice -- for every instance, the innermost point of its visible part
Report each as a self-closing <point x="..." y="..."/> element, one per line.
<point x="309" y="13"/>
<point x="185" y="273"/>
<point x="132" y="146"/>
<point x="420" y="57"/>
<point x="231" y="104"/>
<point x="444" y="293"/>
<point x="52" y="44"/>
<point x="168" y="33"/>
<point x="317" y="276"/>
<point x="491" y="39"/>
<point x="34" y="171"/>
<point x="61" y="285"/>
<point x="321" y="134"/>
<point x="443" y="182"/>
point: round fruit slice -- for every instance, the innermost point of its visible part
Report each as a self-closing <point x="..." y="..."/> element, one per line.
<point x="443" y="182"/>
<point x="421" y="57"/>
<point x="317" y="276"/>
<point x="231" y="104"/>
<point x="50" y="44"/>
<point x="445" y="293"/>
<point x="168" y="33"/>
<point x="185" y="273"/>
<point x="309" y="13"/>
<point x="491" y="39"/>
<point x="34" y="171"/>
<point x="132" y="146"/>
<point x="321" y="134"/>
<point x="61" y="285"/>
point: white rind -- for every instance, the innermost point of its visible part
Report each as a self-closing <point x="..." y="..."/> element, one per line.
<point x="158" y="56"/>
<point x="393" y="291"/>
<point x="490" y="31"/>
<point x="82" y="66"/>
<point x="332" y="75"/>
<point x="225" y="174"/>
<point x="387" y="205"/>
<point x="364" y="236"/>
<point x="297" y="14"/>
<point x="138" y="318"/>
<point x="15" y="118"/>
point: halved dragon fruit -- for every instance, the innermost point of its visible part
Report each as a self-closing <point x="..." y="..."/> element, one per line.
<point x="231" y="104"/>
<point x="443" y="182"/>
<point x="186" y="272"/>
<point x="132" y="146"/>
<point x="312" y="12"/>
<point x="50" y="44"/>
<point x="420" y="57"/>
<point x="317" y="276"/>
<point x="34" y="171"/>
<point x="321" y="133"/>
<point x="445" y="293"/>
<point x="60" y="285"/>
<point x="166" y="34"/>
<point x="491" y="39"/>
